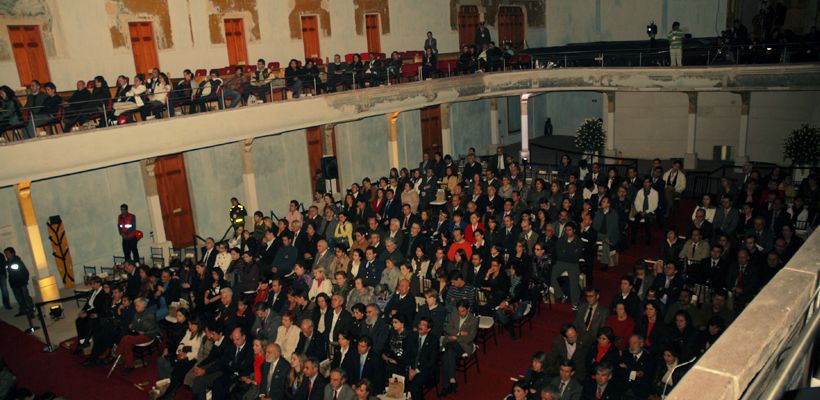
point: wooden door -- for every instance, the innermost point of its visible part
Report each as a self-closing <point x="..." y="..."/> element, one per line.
<point x="144" y="46"/>
<point x="29" y="54"/>
<point x="468" y="19"/>
<point x="374" y="44"/>
<point x="310" y="36"/>
<point x="511" y="27"/>
<point x="431" y="129"/>
<point x="175" y="200"/>
<point x="315" y="152"/>
<point x="235" y="39"/>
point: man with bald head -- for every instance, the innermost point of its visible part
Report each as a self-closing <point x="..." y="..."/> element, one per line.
<point x="402" y="302"/>
<point x="237" y="364"/>
<point x="275" y="371"/>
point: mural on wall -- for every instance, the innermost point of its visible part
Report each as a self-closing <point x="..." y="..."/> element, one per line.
<point x="121" y="12"/>
<point x="308" y="7"/>
<point x="27" y="12"/>
<point x="535" y="10"/>
<point x="380" y="7"/>
<point x="218" y="10"/>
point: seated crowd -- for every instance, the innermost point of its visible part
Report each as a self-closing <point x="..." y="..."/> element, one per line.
<point x="152" y="96"/>
<point x="332" y="302"/>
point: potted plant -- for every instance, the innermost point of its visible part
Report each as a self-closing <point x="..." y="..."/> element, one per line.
<point x="802" y="147"/>
<point x="590" y="137"/>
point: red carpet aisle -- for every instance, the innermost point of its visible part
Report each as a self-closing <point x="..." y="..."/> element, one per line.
<point x="61" y="372"/>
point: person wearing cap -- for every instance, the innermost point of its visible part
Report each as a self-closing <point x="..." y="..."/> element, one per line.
<point x="568" y="250"/>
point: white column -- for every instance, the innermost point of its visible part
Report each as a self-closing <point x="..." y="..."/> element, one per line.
<point x="690" y="159"/>
<point x="392" y="140"/>
<point x="495" y="137"/>
<point x="742" y="155"/>
<point x="446" y="133"/>
<point x="525" y="127"/>
<point x="610" y="123"/>
<point x="46" y="283"/>
<point x="154" y="209"/>
<point x="251" y="199"/>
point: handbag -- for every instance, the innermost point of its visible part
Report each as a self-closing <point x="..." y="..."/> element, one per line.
<point x="395" y="388"/>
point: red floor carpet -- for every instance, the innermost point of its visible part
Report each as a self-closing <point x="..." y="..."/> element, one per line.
<point x="61" y="373"/>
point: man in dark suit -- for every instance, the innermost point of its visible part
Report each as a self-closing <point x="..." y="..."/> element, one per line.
<point x="368" y="365"/>
<point x="669" y="285"/>
<point x="339" y="319"/>
<point x="498" y="162"/>
<point x="569" y="346"/>
<point x="726" y="217"/>
<point x="392" y="206"/>
<point x="375" y="328"/>
<point x="510" y="234"/>
<point x="267" y="250"/>
<point x="589" y="236"/>
<point x="635" y="369"/>
<point x="565" y="384"/>
<point x="266" y="324"/>
<point x="402" y="303"/>
<point x="372" y="267"/>
<point x="209" y="370"/>
<point x="277" y="297"/>
<point x="133" y="283"/>
<point x="742" y="279"/>
<point x="311" y="343"/>
<point x="285" y="258"/>
<point x="89" y="319"/>
<point x="313" y="384"/>
<point x="713" y="270"/>
<point x="275" y="373"/>
<point x="591" y="316"/>
<point x="412" y="240"/>
<point x="209" y="256"/>
<point x="423" y="352"/>
<point x="602" y="388"/>
<point x="239" y="364"/>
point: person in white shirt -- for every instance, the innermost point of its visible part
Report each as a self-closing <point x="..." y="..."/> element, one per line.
<point x="176" y="366"/>
<point x="133" y="99"/>
<point x="645" y="204"/>
<point x="287" y="336"/>
<point x="675" y="181"/>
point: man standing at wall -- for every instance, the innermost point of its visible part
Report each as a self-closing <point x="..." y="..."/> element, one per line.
<point x="18" y="280"/>
<point x="675" y="37"/>
<point x="127" y="227"/>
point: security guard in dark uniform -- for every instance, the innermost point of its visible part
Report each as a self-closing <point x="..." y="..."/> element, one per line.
<point x="237" y="213"/>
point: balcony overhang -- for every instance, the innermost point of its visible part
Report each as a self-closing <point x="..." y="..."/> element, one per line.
<point x="53" y="156"/>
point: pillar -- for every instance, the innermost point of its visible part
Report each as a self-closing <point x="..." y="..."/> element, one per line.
<point x="392" y="140"/>
<point x="495" y="138"/>
<point x="742" y="155"/>
<point x="446" y="133"/>
<point x="610" y="123"/>
<point x="46" y="283"/>
<point x="525" y="127"/>
<point x="154" y="209"/>
<point x="690" y="159"/>
<point x="251" y="199"/>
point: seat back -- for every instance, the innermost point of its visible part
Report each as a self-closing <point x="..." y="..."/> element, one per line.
<point x="408" y="70"/>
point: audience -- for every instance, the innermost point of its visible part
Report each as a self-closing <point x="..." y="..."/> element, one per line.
<point x="395" y="292"/>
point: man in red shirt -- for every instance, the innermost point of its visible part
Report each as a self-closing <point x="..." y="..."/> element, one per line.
<point x="459" y="243"/>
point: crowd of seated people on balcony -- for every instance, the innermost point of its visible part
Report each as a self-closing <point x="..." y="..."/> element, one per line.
<point x="142" y="97"/>
<point x="397" y="276"/>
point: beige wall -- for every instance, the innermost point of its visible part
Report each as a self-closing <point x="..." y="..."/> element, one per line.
<point x="655" y="124"/>
<point x="80" y="43"/>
